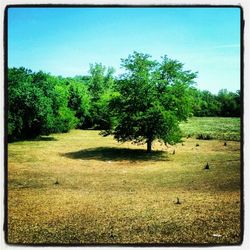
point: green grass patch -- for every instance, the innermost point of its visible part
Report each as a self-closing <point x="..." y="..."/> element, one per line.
<point x="207" y="128"/>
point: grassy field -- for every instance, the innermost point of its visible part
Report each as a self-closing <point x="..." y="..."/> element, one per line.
<point x="81" y="188"/>
<point x="221" y="128"/>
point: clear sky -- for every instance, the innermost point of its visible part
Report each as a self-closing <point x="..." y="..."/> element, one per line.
<point x="64" y="41"/>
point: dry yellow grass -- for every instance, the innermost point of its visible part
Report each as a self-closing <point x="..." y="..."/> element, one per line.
<point x="81" y="188"/>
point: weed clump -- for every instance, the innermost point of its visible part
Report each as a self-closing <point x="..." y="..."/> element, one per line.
<point x="207" y="166"/>
<point x="177" y="201"/>
<point x="204" y="137"/>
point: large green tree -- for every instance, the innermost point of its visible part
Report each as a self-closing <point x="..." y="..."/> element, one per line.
<point x="150" y="100"/>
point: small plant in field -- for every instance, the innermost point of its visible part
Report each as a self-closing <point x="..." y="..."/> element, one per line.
<point x="177" y="201"/>
<point x="204" y="137"/>
<point x="207" y="166"/>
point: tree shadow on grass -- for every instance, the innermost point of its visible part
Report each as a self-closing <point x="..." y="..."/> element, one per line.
<point x="39" y="138"/>
<point x="44" y="138"/>
<point x="117" y="154"/>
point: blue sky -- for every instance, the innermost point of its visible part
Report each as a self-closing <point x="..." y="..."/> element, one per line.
<point x="64" y="41"/>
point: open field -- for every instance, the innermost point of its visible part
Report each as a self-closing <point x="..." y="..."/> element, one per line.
<point x="221" y="128"/>
<point x="81" y="188"/>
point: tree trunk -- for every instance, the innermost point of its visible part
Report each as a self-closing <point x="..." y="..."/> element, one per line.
<point x="149" y="146"/>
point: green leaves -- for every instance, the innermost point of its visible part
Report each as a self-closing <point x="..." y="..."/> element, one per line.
<point x="79" y="101"/>
<point x="37" y="105"/>
<point x="100" y="88"/>
<point x="152" y="99"/>
<point x="224" y="104"/>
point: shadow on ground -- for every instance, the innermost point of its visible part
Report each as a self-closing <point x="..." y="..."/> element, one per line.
<point x="117" y="154"/>
<point x="40" y="138"/>
<point x="44" y="138"/>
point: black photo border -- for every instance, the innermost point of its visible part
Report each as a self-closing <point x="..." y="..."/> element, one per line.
<point x="5" y="42"/>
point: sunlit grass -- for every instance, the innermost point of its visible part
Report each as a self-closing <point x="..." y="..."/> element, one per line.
<point x="82" y="188"/>
<point x="221" y="128"/>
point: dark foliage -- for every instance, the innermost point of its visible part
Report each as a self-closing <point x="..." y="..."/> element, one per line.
<point x="204" y="137"/>
<point x="36" y="105"/>
<point x="225" y="104"/>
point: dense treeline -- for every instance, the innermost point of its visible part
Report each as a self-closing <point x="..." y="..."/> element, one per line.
<point x="40" y="104"/>
<point x="224" y="104"/>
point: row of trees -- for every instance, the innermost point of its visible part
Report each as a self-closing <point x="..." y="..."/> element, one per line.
<point x="40" y="104"/>
<point x="225" y="103"/>
<point x="145" y="103"/>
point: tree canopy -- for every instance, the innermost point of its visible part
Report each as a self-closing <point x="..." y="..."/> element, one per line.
<point x="37" y="105"/>
<point x="151" y="99"/>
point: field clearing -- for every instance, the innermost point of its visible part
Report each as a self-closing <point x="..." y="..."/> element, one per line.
<point x="81" y="188"/>
<point x="221" y="128"/>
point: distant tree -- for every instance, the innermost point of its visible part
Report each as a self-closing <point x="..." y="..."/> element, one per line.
<point x="100" y="85"/>
<point x="150" y="100"/>
<point x="97" y="80"/>
<point x="225" y="103"/>
<point x="230" y="103"/>
<point x="197" y="101"/>
<point x="64" y="117"/>
<point x="210" y="106"/>
<point x="79" y="100"/>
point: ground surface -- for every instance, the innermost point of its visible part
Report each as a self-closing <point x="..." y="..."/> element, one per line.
<point x="82" y="188"/>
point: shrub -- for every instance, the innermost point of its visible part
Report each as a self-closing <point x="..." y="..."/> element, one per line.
<point x="204" y="137"/>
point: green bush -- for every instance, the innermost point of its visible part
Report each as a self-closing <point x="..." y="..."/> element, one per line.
<point x="204" y="137"/>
